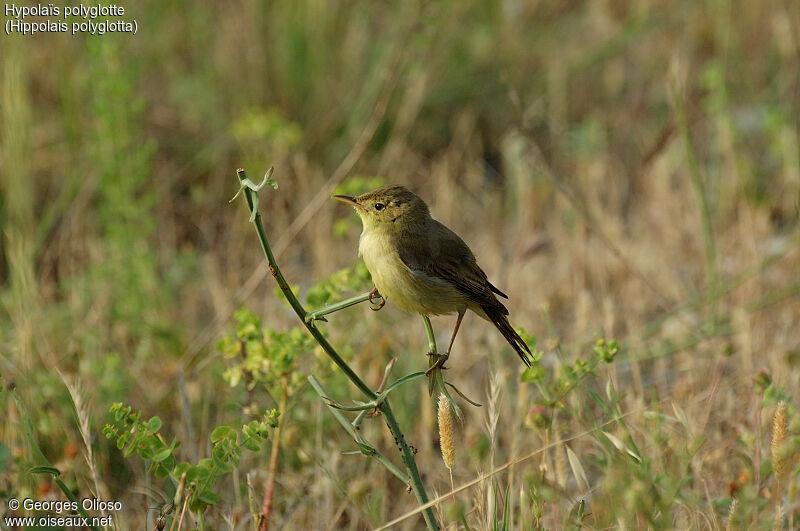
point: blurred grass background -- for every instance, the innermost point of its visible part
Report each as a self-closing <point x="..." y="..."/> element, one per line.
<point x="621" y="169"/>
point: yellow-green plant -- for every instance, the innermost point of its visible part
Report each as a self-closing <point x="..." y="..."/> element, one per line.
<point x="132" y="435"/>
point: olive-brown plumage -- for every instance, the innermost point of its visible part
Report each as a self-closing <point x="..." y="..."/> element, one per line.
<point x="422" y="266"/>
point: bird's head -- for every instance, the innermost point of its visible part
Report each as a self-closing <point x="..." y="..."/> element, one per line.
<point x="391" y="208"/>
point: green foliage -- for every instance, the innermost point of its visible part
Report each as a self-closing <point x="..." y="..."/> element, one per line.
<point x="775" y="393"/>
<point x="264" y="356"/>
<point x="331" y="289"/>
<point x="257" y="126"/>
<point x="554" y="389"/>
<point x="534" y="373"/>
<point x="606" y="351"/>
<point x="133" y="435"/>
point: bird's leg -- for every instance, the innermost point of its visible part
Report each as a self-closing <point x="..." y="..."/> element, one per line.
<point x="443" y="357"/>
<point x="458" y="324"/>
<point x="375" y="294"/>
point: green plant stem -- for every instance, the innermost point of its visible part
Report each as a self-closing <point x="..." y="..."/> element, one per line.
<point x="405" y="451"/>
<point x="350" y="428"/>
<point x="578" y="379"/>
<point x="289" y="295"/>
<point x="431" y="354"/>
<point x="317" y="314"/>
<point x="431" y="336"/>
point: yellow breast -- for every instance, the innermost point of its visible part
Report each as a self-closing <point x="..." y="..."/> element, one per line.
<point x="411" y="291"/>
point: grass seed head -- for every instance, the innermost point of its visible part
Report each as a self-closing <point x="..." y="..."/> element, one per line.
<point x="780" y="428"/>
<point x="446" y="433"/>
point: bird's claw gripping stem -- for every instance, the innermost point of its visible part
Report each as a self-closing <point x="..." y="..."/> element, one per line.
<point x="374" y="294"/>
<point x="438" y="364"/>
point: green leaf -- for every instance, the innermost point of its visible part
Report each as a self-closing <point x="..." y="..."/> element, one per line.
<point x="195" y="473"/>
<point x="577" y="470"/>
<point x="207" y="496"/>
<point x="621" y="447"/>
<point x="576" y="515"/>
<point x="507" y="510"/>
<point x="223" y="432"/>
<point x="130" y="449"/>
<point x="220" y="462"/>
<point x="154" y="424"/>
<point x="162" y="471"/>
<point x="180" y="468"/>
<point x="680" y="414"/>
<point x="366" y="449"/>
<point x="251" y="445"/>
<point x="405" y="379"/>
<point x="534" y="373"/>
<point x="163" y="454"/>
<point x="600" y="402"/>
<point x="53" y="471"/>
<point x="147" y="452"/>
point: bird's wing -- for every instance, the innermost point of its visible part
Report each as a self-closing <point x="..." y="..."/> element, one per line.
<point x="447" y="257"/>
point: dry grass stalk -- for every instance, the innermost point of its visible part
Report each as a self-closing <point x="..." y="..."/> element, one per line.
<point x="778" y="523"/>
<point x="493" y="417"/>
<point x="732" y="515"/>
<point x="560" y="458"/>
<point x="76" y="392"/>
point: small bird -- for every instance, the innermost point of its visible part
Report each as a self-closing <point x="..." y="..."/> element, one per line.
<point x="424" y="267"/>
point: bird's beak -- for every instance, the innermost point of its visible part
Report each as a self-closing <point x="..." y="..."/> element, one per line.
<point x="347" y="199"/>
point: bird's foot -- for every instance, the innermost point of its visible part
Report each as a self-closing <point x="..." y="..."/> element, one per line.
<point x="375" y="305"/>
<point x="438" y="364"/>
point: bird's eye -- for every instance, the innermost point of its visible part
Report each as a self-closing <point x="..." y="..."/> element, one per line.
<point x="379" y="206"/>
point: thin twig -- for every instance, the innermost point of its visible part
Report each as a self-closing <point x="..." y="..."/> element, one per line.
<point x="274" y="454"/>
<point x="318" y="315"/>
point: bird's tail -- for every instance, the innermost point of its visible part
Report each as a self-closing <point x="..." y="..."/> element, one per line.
<point x="499" y="319"/>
